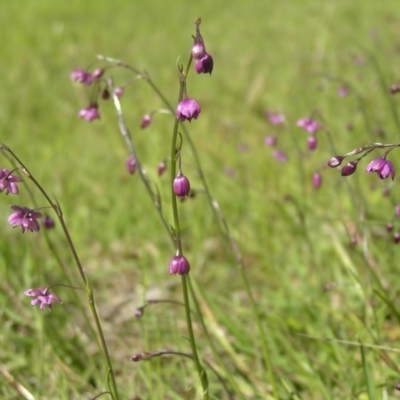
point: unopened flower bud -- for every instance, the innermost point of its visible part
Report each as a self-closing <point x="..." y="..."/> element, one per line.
<point x="389" y="227"/>
<point x="179" y="265"/>
<point x="205" y="65"/>
<point x="119" y="91"/>
<point x="349" y="168"/>
<point x="146" y="121"/>
<point x="335" y="161"/>
<point x="317" y="180"/>
<point x="396" y="237"/>
<point x="48" y="222"/>
<point x="270" y="140"/>
<point x="181" y="185"/>
<point x="395" y="88"/>
<point x="97" y="73"/>
<point x="161" y="168"/>
<point x="312" y="142"/>
<point x="131" y="165"/>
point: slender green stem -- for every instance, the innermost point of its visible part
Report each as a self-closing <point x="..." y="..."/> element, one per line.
<point x="57" y="209"/>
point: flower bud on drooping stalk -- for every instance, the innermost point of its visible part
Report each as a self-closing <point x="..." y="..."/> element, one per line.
<point x="130" y="165"/>
<point x="317" y="180"/>
<point x="312" y="142"/>
<point x="179" y="265"/>
<point x="335" y="161"/>
<point x="181" y="185"/>
<point x="187" y="109"/>
<point x="203" y="62"/>
<point x="349" y="168"/>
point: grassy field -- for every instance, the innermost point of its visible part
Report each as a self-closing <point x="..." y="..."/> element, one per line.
<point x="313" y="312"/>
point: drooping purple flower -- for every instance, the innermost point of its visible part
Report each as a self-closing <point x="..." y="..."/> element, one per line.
<point x="8" y="182"/>
<point x="179" y="265"/>
<point x="146" y="121"/>
<point x="81" y="75"/>
<point x="181" y="185"/>
<point x="280" y="156"/>
<point x="396" y="237"/>
<point x="97" y="74"/>
<point x="349" y="168"/>
<point x="312" y="142"/>
<point x="90" y="113"/>
<point x="205" y="65"/>
<point x="43" y="297"/>
<point x="188" y="109"/>
<point x="119" y="91"/>
<point x="25" y="218"/>
<point x="317" y="180"/>
<point x="384" y="168"/>
<point x="270" y="140"/>
<point x="131" y="164"/>
<point x="309" y="124"/>
<point x="275" y="118"/>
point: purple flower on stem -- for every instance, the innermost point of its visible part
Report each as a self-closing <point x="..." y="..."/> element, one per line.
<point x="382" y="167"/>
<point x="205" y="65"/>
<point x="97" y="74"/>
<point x="146" y="121"/>
<point x="131" y="165"/>
<point x="48" y="222"/>
<point x="309" y="124"/>
<point x="25" y="218"/>
<point x="181" y="185"/>
<point x="280" y="156"/>
<point x="317" y="180"/>
<point x="8" y="182"/>
<point x="161" y="168"/>
<point x="179" y="265"/>
<point x="275" y="118"/>
<point x="43" y="297"/>
<point x="90" y="113"/>
<point x="119" y="91"/>
<point x="349" y="168"/>
<point x="188" y="109"/>
<point x="312" y="142"/>
<point x="81" y="75"/>
<point x="270" y="140"/>
<point x="335" y="161"/>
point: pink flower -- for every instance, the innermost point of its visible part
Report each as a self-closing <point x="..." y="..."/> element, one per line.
<point x="131" y="165"/>
<point x="179" y="265"/>
<point x="181" y="186"/>
<point x="188" y="109"/>
<point x="90" y="113"/>
<point x="25" y="218"/>
<point x="81" y="75"/>
<point x="382" y="167"/>
<point x="280" y="156"/>
<point x="317" y="180"/>
<point x="8" y="182"/>
<point x="270" y="140"/>
<point x="146" y="121"/>
<point x="309" y="124"/>
<point x="43" y="297"/>
<point x="275" y="118"/>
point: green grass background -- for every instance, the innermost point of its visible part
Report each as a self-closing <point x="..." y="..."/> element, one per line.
<point x="288" y="56"/>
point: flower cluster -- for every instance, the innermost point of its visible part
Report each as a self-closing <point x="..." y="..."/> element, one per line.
<point x="311" y="126"/>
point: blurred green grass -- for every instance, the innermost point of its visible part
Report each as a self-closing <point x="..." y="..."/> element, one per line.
<point x="268" y="55"/>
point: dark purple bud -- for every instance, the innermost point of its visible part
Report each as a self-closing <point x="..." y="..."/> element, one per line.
<point x="139" y="312"/>
<point x="161" y="168"/>
<point x="188" y="109"/>
<point x="335" y="161"/>
<point x="312" y="142"/>
<point x="105" y="94"/>
<point x="317" y="180"/>
<point x="48" y="222"/>
<point x="395" y="88"/>
<point x="181" y="185"/>
<point x="205" y="65"/>
<point x="179" y="265"/>
<point x="349" y="168"/>
<point x="130" y="165"/>
<point x="396" y="237"/>
<point x="389" y="227"/>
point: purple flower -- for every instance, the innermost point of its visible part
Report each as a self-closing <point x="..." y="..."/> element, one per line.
<point x="335" y="161"/>
<point x="179" y="265"/>
<point x="97" y="74"/>
<point x="43" y="297"/>
<point x="317" y="180"/>
<point x="312" y="142"/>
<point x="270" y="140"/>
<point x="275" y="118"/>
<point x="26" y="218"/>
<point x="119" y="91"/>
<point x="8" y="182"/>
<point x="205" y="65"/>
<point x="349" y="168"/>
<point x="382" y="167"/>
<point x="146" y="121"/>
<point x="81" y="75"/>
<point x="309" y="124"/>
<point x="188" y="109"/>
<point x="90" y="113"/>
<point x="280" y="156"/>
<point x="343" y="91"/>
<point x="181" y="185"/>
<point x="161" y="168"/>
<point x="130" y="165"/>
